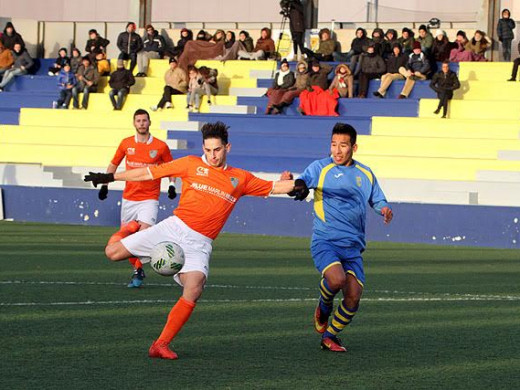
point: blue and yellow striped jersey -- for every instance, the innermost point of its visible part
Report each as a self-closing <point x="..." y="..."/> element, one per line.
<point x="341" y="195"/>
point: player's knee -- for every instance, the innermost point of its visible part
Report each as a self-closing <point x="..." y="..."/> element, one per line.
<point x="352" y="300"/>
<point x="111" y="252"/>
<point x="337" y="281"/>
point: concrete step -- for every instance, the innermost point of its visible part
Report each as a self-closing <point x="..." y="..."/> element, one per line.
<point x="261" y="74"/>
<point x="67" y="177"/>
<point x="31" y="175"/>
<point x="182" y="125"/>
<point x="177" y="144"/>
<point x="509" y="155"/>
<point x="251" y="92"/>
<point x="239" y="109"/>
<point x="499" y="176"/>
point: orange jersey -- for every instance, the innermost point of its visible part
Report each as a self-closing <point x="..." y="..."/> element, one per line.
<point x="142" y="155"/>
<point x="209" y="194"/>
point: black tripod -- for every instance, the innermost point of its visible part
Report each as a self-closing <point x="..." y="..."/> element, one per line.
<point x="283" y="23"/>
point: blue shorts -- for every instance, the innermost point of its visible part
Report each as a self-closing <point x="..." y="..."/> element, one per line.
<point x="325" y="254"/>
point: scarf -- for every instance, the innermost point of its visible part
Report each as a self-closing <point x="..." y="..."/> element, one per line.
<point x="281" y="75"/>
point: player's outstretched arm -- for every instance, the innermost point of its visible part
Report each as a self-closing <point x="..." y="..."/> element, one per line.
<point x="139" y="174"/>
<point x="296" y="188"/>
<point x="387" y="214"/>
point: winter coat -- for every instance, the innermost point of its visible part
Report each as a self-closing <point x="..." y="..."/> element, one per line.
<point x="379" y="42"/>
<point x="326" y="48"/>
<point x="177" y="79"/>
<point x="418" y="63"/>
<point x="359" y="45"/>
<point x="301" y="78"/>
<point x="154" y="43"/>
<point x="442" y="82"/>
<point x="10" y="40"/>
<point x="22" y="59"/>
<point x="209" y="76"/>
<point x="426" y="42"/>
<point x="389" y="43"/>
<point x="319" y="78"/>
<point x="90" y="73"/>
<point x="99" y="43"/>
<point x="75" y="63"/>
<point x="248" y="44"/>
<point x="505" y="29"/>
<point x="441" y="49"/>
<point x="121" y="78"/>
<point x="296" y="18"/>
<point x="288" y="81"/>
<point x="372" y="64"/>
<point x="61" y="61"/>
<point x="6" y="59"/>
<point x="181" y="42"/>
<point x="65" y="78"/>
<point x="342" y="82"/>
<point x="267" y="45"/>
<point x="129" y="43"/>
<point x="477" y="47"/>
<point x="393" y="63"/>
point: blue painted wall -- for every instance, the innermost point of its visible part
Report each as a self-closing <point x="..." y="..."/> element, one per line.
<point x="416" y="223"/>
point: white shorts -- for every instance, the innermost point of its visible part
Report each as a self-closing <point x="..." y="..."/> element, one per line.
<point x="197" y="247"/>
<point x="142" y="211"/>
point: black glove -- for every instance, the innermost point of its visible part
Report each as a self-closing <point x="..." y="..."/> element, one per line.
<point x="300" y="190"/>
<point x="171" y="192"/>
<point x="99" y="178"/>
<point x="103" y="192"/>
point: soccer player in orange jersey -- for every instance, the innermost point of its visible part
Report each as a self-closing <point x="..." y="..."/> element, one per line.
<point x="140" y="199"/>
<point x="210" y="190"/>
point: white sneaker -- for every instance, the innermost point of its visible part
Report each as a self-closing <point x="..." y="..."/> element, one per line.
<point x="153" y="108"/>
<point x="191" y="109"/>
<point x="50" y="73"/>
<point x="168" y="105"/>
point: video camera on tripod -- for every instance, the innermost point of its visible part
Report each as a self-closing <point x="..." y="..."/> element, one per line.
<point x="286" y="5"/>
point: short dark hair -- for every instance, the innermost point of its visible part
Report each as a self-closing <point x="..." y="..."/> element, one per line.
<point x="344" y="128"/>
<point x="141" y="112"/>
<point x="446" y="62"/>
<point x="215" y="130"/>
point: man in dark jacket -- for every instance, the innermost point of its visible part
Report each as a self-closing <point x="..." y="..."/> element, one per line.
<point x="358" y="47"/>
<point x="444" y="83"/>
<point x="130" y="43"/>
<point x="417" y="68"/>
<point x="11" y="37"/>
<point x="96" y="44"/>
<point x="153" y="48"/>
<point x="505" y="30"/>
<point x="22" y="64"/>
<point x="297" y="27"/>
<point x="516" y="63"/>
<point x="394" y="63"/>
<point x="371" y="66"/>
<point x="88" y="78"/>
<point x="120" y="81"/>
<point x="186" y="36"/>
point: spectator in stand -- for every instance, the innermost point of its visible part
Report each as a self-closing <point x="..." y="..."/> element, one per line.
<point x="395" y="68"/>
<point x="120" y="82"/>
<point x="246" y="41"/>
<point x="505" y="30"/>
<point x="407" y="39"/>
<point x="176" y="81"/>
<point x="130" y="43"/>
<point x="317" y="99"/>
<point x="263" y="50"/>
<point x="283" y="81"/>
<point x="425" y="39"/>
<point x="358" y="46"/>
<point x="390" y="39"/>
<point x="59" y="63"/>
<point x="326" y="48"/>
<point x="378" y="39"/>
<point x="186" y="35"/>
<point x="444" y="83"/>
<point x="458" y="54"/>
<point x="96" y="44"/>
<point x="209" y="82"/>
<point x="88" y="78"/>
<point x="219" y="36"/>
<point x="204" y="36"/>
<point x="195" y="91"/>
<point x="417" y="68"/>
<point x="75" y="60"/>
<point x="441" y="47"/>
<point x="301" y="83"/>
<point x="102" y="64"/>
<point x="22" y="62"/>
<point x="516" y="64"/>
<point x="66" y="81"/>
<point x="343" y="81"/>
<point x="6" y="59"/>
<point x="10" y="37"/>
<point x="477" y="46"/>
<point x="297" y="28"/>
<point x="153" y="49"/>
<point x="371" y="66"/>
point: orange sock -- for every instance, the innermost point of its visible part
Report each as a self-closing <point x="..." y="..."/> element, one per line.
<point x="136" y="263"/>
<point x="125" y="231"/>
<point x="178" y="316"/>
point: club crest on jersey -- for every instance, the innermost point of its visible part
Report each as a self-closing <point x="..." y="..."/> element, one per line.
<point x="358" y="181"/>
<point x="201" y="171"/>
<point x="234" y="182"/>
<point x="130" y="151"/>
<point x="153" y="153"/>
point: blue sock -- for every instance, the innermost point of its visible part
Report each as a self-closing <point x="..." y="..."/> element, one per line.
<point x="326" y="297"/>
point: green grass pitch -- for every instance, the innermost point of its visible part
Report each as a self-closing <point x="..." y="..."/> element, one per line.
<point x="431" y="317"/>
